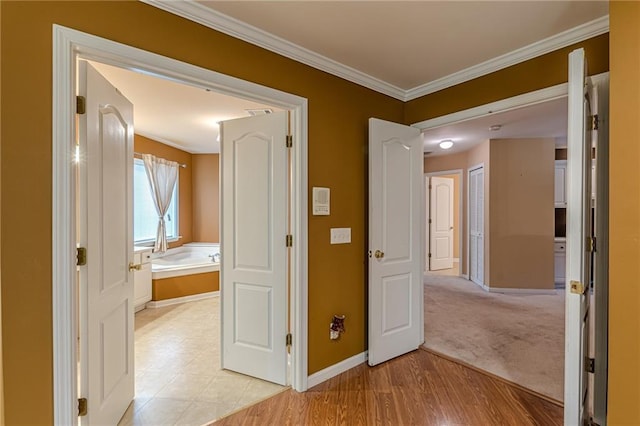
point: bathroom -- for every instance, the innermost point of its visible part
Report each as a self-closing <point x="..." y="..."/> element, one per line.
<point x="178" y="374"/>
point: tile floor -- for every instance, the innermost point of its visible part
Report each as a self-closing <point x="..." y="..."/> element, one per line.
<point x="178" y="375"/>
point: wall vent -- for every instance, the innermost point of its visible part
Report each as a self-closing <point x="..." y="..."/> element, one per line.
<point x="259" y="111"/>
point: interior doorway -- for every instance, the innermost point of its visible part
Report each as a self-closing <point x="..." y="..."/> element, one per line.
<point x="444" y="230"/>
<point x="67" y="49"/>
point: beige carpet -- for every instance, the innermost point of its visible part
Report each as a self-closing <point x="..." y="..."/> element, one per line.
<point x="516" y="337"/>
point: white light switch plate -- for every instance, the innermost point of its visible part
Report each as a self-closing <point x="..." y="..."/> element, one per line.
<point x="340" y="235"/>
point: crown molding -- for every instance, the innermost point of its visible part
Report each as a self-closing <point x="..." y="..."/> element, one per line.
<point x="566" y="38"/>
<point x="226" y="24"/>
<point x="201" y="14"/>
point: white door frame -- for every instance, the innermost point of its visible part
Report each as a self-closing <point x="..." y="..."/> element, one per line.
<point x="68" y="46"/>
<point x="484" y="219"/>
<point x="457" y="172"/>
<point x="515" y="102"/>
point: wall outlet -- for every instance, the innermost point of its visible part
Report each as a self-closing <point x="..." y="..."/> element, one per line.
<point x="340" y="235"/>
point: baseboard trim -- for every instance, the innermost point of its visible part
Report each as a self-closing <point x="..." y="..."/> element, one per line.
<point x="456" y="259"/>
<point x="335" y="369"/>
<point x="520" y="290"/>
<point x="465" y="276"/>
<point x="183" y="299"/>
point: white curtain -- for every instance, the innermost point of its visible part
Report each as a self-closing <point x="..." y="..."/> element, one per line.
<point x="162" y="175"/>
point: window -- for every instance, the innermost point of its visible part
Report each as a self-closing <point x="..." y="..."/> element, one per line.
<point x="145" y="217"/>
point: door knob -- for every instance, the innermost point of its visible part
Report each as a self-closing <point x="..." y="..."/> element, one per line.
<point x="134" y="266"/>
<point x="378" y="254"/>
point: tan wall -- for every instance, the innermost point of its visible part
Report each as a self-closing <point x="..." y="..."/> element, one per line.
<point x="186" y="285"/>
<point x="145" y="145"/>
<point x="206" y="197"/>
<point x="624" y="220"/>
<point x="335" y="107"/>
<point x="522" y="213"/>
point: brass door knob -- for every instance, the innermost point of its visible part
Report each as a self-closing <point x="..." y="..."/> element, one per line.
<point x="378" y="254"/>
<point x="134" y="266"/>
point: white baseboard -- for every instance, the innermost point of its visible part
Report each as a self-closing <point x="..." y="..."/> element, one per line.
<point x="335" y="369"/>
<point x="456" y="259"/>
<point x="183" y="299"/>
<point x="521" y="290"/>
<point x="465" y="276"/>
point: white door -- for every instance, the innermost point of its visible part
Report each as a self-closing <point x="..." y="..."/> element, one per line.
<point x="441" y="224"/>
<point x="253" y="244"/>
<point x="476" y="225"/>
<point x="579" y="276"/>
<point x="106" y="229"/>
<point x="396" y="219"/>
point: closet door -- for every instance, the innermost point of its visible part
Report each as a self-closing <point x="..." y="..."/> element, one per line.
<point x="476" y="225"/>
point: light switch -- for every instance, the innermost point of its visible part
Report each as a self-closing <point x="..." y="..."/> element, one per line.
<point x="340" y="235"/>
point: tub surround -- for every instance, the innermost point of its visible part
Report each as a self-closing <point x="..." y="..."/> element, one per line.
<point x="186" y="285"/>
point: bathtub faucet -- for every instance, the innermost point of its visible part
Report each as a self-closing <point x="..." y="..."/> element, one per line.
<point x="215" y="257"/>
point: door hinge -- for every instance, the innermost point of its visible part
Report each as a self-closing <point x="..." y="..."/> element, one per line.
<point x="81" y="256"/>
<point x="594" y="122"/>
<point x="576" y="287"/>
<point x="591" y="244"/>
<point x="81" y="105"/>
<point x="82" y="407"/>
<point x="289" y="339"/>
<point x="429" y="255"/>
<point x="289" y="141"/>
<point x="430" y="186"/>
<point x="590" y="365"/>
<point x="289" y="241"/>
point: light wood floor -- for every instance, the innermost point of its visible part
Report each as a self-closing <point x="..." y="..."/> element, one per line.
<point x="419" y="388"/>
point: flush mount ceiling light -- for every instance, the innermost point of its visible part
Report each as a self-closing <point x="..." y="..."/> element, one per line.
<point x="495" y="127"/>
<point x="446" y="144"/>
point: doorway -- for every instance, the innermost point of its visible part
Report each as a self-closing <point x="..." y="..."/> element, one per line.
<point x="443" y="198"/>
<point x="67" y="47"/>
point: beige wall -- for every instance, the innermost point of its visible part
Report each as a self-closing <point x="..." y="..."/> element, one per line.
<point x="206" y="201"/>
<point x="522" y="213"/>
<point x="145" y="145"/>
<point x="624" y="220"/>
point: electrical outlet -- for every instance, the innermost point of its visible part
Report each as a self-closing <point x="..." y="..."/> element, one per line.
<point x="340" y="235"/>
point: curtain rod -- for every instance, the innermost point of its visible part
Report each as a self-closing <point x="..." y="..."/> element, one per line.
<point x="139" y="155"/>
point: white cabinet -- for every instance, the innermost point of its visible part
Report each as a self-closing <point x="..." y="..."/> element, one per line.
<point x="560" y="183"/>
<point x="142" y="278"/>
<point x="560" y="253"/>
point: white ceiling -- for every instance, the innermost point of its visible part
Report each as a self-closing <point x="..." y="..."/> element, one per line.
<point x="401" y="48"/>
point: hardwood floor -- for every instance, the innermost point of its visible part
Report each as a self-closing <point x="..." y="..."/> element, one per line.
<point x="420" y="388"/>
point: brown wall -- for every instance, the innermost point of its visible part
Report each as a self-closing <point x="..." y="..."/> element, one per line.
<point x="522" y="213"/>
<point x="206" y="200"/>
<point x="624" y="220"/>
<point x="145" y="145"/>
<point x="335" y="107"/>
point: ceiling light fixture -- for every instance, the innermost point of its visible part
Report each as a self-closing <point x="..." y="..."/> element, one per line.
<point x="495" y="127"/>
<point x="446" y="144"/>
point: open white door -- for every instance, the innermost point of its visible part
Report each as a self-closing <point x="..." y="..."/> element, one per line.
<point x="253" y="243"/>
<point x="476" y="225"/>
<point x="441" y="223"/>
<point x="579" y="273"/>
<point x="396" y="218"/>
<point x="106" y="230"/>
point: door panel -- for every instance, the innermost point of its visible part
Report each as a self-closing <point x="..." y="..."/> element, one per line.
<point x="441" y="216"/>
<point x="106" y="230"/>
<point x="253" y="264"/>
<point x="579" y="271"/>
<point x="395" y="240"/>
<point x="476" y="226"/>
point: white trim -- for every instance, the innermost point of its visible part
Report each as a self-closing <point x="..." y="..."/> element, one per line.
<point x="335" y="369"/>
<point x="183" y="299"/>
<point x="503" y="105"/>
<point x="226" y="24"/>
<point x="520" y="290"/>
<point x="566" y="38"/>
<point x="68" y="44"/>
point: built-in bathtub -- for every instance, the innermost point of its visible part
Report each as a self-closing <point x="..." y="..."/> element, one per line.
<point x="189" y="270"/>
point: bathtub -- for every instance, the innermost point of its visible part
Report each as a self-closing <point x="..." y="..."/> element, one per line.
<point x="189" y="272"/>
<point x="191" y="258"/>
